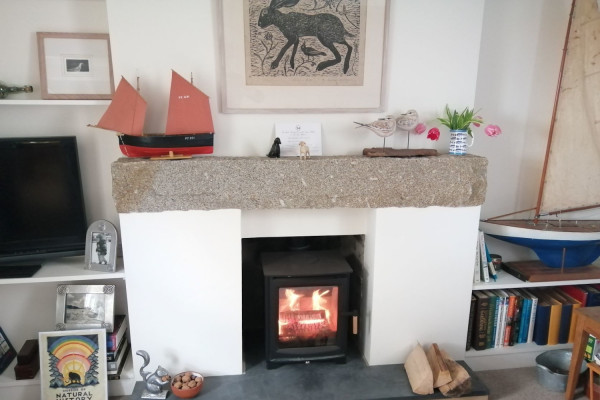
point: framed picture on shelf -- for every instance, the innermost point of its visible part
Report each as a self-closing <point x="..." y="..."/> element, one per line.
<point x="75" y="66"/>
<point x="335" y="65"/>
<point x="73" y="363"/>
<point x="7" y="351"/>
<point x="101" y="247"/>
<point x="85" y="307"/>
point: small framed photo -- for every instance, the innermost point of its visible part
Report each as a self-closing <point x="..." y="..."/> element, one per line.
<point x="7" y="351"/>
<point x="85" y="307"/>
<point x="73" y="363"/>
<point x="101" y="247"/>
<point x="75" y="66"/>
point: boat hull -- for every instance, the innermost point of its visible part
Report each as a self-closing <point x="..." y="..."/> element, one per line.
<point x="578" y="242"/>
<point x="157" y="146"/>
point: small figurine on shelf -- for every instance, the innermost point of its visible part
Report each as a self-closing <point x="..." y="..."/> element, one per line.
<point x="275" y="149"/>
<point x="6" y="90"/>
<point x="304" y="150"/>
<point x="154" y="381"/>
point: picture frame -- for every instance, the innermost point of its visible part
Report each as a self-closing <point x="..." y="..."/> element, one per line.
<point x="75" y="66"/>
<point x="248" y="85"/>
<point x="85" y="307"/>
<point x="101" y="247"/>
<point x="71" y="362"/>
<point x="7" y="351"/>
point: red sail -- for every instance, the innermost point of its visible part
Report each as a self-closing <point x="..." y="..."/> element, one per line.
<point x="126" y="112"/>
<point x="189" y="109"/>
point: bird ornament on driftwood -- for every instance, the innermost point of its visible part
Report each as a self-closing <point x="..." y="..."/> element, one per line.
<point x="382" y="127"/>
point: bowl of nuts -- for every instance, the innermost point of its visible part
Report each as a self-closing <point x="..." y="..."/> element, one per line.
<point x="187" y="384"/>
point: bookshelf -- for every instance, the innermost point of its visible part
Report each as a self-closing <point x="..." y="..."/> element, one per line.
<point x="33" y="310"/>
<point x="519" y="355"/>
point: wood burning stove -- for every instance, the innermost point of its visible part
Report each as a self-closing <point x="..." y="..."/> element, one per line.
<point x="306" y="306"/>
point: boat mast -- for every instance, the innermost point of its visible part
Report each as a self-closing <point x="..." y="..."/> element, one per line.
<point x="551" y="131"/>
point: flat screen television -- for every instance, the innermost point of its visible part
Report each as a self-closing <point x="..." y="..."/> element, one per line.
<point x="42" y="210"/>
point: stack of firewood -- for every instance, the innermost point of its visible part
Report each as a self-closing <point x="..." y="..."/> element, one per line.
<point x="436" y="370"/>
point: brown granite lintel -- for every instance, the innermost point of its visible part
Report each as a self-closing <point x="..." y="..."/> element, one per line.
<point x="248" y="183"/>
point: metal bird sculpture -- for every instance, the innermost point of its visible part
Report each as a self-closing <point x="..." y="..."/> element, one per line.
<point x="383" y="127"/>
<point x="408" y="121"/>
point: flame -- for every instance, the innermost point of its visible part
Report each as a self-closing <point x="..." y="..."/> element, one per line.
<point x="319" y="303"/>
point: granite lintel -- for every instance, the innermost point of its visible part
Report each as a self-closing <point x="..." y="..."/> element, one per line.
<point x="251" y="183"/>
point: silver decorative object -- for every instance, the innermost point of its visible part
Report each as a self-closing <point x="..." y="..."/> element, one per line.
<point x="153" y="380"/>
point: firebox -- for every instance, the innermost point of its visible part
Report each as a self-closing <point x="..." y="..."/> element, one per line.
<point x="306" y="306"/>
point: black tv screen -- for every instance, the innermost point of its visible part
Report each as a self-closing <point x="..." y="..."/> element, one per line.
<point x="42" y="212"/>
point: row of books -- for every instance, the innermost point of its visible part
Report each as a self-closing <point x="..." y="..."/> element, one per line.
<point x="117" y="347"/>
<point x="505" y="317"/>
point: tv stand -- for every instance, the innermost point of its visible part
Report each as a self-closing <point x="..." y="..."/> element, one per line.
<point x="19" y="270"/>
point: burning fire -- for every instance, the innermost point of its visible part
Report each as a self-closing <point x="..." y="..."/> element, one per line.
<point x="307" y="313"/>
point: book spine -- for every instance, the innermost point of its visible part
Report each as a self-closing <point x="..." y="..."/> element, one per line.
<point x="510" y="312"/>
<point x="480" y="328"/>
<point x="477" y="269"/>
<point x="532" y="317"/>
<point x="471" y="322"/>
<point x="485" y="273"/>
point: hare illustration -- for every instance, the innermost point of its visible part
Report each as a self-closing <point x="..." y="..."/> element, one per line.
<point x="328" y="28"/>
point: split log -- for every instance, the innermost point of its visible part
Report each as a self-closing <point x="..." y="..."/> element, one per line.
<point x="418" y="371"/>
<point x="441" y="373"/>
<point x="461" y="380"/>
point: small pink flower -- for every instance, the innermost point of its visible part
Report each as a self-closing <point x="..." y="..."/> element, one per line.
<point x="420" y="128"/>
<point x="433" y="134"/>
<point x="493" y="130"/>
<point x="479" y="119"/>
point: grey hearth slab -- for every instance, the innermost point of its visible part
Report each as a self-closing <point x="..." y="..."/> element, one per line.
<point x="351" y="381"/>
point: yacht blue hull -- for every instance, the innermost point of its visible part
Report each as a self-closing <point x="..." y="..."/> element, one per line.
<point x="556" y="248"/>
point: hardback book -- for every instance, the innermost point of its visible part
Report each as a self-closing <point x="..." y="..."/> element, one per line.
<point x="516" y="320"/>
<point x="590" y="348"/>
<point x="525" y="313"/>
<point x="532" y="315"/>
<point x="116" y="373"/>
<point x="542" y="321"/>
<point x="482" y="309"/>
<point x="576" y="292"/>
<point x="121" y="323"/>
<point x="510" y="314"/>
<point x="113" y="366"/>
<point x="485" y="272"/>
<point x="576" y="304"/>
<point x="477" y="269"/>
<point x="555" y="310"/>
<point x="501" y="317"/>
<point x="113" y="355"/>
<point x="565" y="315"/>
<point x="471" y="321"/>
<point x="593" y="295"/>
<point x="492" y="326"/>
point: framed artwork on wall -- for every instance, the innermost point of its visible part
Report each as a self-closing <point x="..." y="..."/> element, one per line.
<point x="302" y="56"/>
<point x="75" y="66"/>
<point x="73" y="363"/>
<point x="85" y="307"/>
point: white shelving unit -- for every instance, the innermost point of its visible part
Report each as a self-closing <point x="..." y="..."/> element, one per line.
<point x="29" y="305"/>
<point x="519" y="355"/>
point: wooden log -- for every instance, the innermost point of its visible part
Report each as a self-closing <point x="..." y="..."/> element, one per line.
<point x="418" y="371"/>
<point x="441" y="373"/>
<point x="461" y="380"/>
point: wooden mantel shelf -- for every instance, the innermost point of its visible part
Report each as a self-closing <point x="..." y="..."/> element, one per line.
<point x="250" y="183"/>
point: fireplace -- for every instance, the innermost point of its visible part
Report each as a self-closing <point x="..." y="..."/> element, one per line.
<point x="182" y="225"/>
<point x="306" y="306"/>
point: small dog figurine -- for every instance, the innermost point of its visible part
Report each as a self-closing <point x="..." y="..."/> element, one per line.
<point x="304" y="151"/>
<point x="275" y="150"/>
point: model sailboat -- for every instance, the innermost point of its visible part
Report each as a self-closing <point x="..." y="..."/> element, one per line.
<point x="189" y="127"/>
<point x="571" y="175"/>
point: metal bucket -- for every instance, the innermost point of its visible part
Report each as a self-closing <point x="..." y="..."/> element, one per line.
<point x="553" y="369"/>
